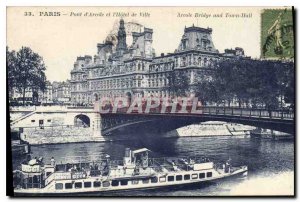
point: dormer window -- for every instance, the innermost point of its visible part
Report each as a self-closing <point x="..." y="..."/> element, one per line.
<point x="204" y="44"/>
<point x="184" y="43"/>
<point x="197" y="40"/>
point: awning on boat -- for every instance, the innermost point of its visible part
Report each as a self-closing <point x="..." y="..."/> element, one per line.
<point x="140" y="151"/>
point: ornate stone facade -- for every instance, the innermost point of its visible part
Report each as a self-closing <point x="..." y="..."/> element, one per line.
<point x="121" y="70"/>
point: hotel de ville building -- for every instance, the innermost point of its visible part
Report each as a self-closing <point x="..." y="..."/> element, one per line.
<point x="119" y="69"/>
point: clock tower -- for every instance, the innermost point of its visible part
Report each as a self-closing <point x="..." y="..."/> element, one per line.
<point x="121" y="46"/>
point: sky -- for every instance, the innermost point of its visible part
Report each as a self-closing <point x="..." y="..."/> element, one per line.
<point x="60" y="39"/>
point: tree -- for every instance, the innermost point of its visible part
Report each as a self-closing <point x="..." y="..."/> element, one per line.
<point x="11" y="61"/>
<point x="29" y="71"/>
<point x="204" y="87"/>
<point x="286" y="81"/>
<point x="254" y="82"/>
<point x="179" y="83"/>
<point x="225" y="81"/>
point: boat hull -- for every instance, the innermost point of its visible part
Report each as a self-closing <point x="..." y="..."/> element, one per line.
<point x="110" y="192"/>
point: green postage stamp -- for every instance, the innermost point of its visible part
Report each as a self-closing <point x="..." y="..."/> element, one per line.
<point x="277" y="35"/>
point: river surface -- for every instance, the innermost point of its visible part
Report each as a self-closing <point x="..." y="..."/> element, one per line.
<point x="270" y="163"/>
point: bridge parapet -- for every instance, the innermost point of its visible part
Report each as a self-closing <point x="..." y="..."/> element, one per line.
<point x="211" y="110"/>
<point x="282" y="120"/>
<point x="250" y="112"/>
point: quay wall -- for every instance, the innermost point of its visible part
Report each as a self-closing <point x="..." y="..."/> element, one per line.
<point x="51" y="125"/>
<point x="54" y="135"/>
<point x="208" y="129"/>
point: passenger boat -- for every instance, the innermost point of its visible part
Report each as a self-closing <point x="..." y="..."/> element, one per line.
<point x="135" y="171"/>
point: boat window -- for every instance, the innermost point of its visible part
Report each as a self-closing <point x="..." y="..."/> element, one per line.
<point x="202" y="175"/>
<point x="154" y="180"/>
<point x="170" y="178"/>
<point x="68" y="186"/>
<point x="87" y="184"/>
<point x="194" y="176"/>
<point x="209" y="174"/>
<point x="187" y="177"/>
<point x="114" y="183"/>
<point x="178" y="177"/>
<point x="97" y="184"/>
<point x="105" y="184"/>
<point x="145" y="181"/>
<point x="78" y="185"/>
<point x="124" y="182"/>
<point x="59" y="186"/>
<point x="135" y="182"/>
<point x="162" y="179"/>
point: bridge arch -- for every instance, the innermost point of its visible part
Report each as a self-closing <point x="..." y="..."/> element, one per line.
<point x="82" y="120"/>
<point x="174" y="121"/>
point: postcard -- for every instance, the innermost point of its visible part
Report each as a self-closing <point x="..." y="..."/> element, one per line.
<point x="151" y="101"/>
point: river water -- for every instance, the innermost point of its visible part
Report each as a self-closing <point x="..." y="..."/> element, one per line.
<point x="270" y="163"/>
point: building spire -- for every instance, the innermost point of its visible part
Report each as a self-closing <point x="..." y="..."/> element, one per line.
<point x="121" y="46"/>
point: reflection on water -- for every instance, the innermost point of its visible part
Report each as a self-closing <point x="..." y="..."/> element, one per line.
<point x="266" y="159"/>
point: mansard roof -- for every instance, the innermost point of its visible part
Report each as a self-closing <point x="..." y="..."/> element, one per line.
<point x="198" y="29"/>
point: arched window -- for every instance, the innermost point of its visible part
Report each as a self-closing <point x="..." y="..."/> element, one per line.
<point x="205" y="61"/>
<point x="211" y="62"/>
<point x="199" y="61"/>
<point x="183" y="61"/>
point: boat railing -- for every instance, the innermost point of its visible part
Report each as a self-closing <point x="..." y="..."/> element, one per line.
<point x="97" y="165"/>
<point x="157" y="165"/>
<point x="83" y="159"/>
<point x="102" y="158"/>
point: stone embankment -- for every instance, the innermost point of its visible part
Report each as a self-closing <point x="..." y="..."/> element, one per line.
<point x="210" y="128"/>
<point x="54" y="135"/>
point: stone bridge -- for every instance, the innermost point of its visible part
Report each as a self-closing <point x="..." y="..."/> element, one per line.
<point x="70" y="123"/>
<point x="280" y="120"/>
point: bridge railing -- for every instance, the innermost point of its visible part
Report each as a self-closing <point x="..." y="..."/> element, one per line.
<point x="212" y="110"/>
<point x="244" y="112"/>
<point x="51" y="127"/>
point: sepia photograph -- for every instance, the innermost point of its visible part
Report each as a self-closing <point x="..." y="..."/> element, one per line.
<point x="150" y="101"/>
